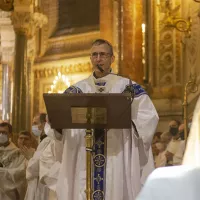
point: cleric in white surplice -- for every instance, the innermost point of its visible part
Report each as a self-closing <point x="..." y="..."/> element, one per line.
<point x="126" y="154"/>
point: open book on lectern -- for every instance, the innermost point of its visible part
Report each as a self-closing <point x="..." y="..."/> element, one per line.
<point x="82" y="111"/>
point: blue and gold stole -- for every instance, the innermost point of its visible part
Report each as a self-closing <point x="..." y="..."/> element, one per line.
<point x="99" y="160"/>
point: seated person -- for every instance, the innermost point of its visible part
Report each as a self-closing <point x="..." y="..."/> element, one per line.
<point x="24" y="144"/>
<point x="12" y="167"/>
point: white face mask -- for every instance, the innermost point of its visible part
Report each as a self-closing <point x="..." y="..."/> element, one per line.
<point x="36" y="131"/>
<point x="3" y="138"/>
<point x="47" y="127"/>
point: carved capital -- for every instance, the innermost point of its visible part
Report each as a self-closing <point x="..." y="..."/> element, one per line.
<point x="31" y="49"/>
<point x="27" y="23"/>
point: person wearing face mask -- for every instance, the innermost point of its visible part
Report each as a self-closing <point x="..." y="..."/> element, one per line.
<point x="12" y="167"/>
<point x="38" y="126"/>
<point x="43" y="168"/>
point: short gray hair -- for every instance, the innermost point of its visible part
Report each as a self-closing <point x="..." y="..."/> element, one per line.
<point x="102" y="41"/>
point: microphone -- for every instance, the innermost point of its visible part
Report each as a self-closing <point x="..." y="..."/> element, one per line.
<point x="100" y="68"/>
<point x="129" y="88"/>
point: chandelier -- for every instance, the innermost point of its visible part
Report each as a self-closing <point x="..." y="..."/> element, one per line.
<point x="60" y="84"/>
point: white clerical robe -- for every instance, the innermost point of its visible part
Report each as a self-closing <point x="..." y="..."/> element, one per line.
<point x="192" y="153"/>
<point x="43" y="168"/>
<point x="127" y="154"/>
<point x="172" y="183"/>
<point x="12" y="174"/>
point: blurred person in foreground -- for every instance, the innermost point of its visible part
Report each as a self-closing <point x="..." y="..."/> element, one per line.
<point x="12" y="167"/>
<point x="178" y="182"/>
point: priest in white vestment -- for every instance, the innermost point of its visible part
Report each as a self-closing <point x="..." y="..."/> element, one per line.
<point x="12" y="167"/>
<point x="179" y="182"/>
<point x="126" y="152"/>
<point x="43" y="168"/>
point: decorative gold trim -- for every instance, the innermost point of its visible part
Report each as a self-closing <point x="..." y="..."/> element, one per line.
<point x="53" y="71"/>
<point x="71" y="46"/>
<point x="172" y="20"/>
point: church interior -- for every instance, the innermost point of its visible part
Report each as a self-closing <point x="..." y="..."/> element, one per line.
<point x="45" y="48"/>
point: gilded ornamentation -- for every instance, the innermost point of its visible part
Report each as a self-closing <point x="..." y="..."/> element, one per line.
<point x="169" y="51"/>
<point x="192" y="44"/>
<point x="27" y="23"/>
<point x="23" y="3"/>
<point x="50" y="72"/>
<point x="31" y="49"/>
<point x="172" y="19"/>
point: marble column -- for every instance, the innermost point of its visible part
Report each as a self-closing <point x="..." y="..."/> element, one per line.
<point x="25" y="25"/>
<point x="132" y="16"/>
<point x="19" y="118"/>
<point x="106" y="20"/>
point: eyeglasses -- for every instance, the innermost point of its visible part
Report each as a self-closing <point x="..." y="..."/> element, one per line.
<point x="103" y="55"/>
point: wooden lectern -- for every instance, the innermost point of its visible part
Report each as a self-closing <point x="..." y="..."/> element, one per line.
<point x="89" y="111"/>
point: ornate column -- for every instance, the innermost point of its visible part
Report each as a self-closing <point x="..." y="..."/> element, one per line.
<point x="7" y="47"/>
<point x="106" y="20"/>
<point x="132" y="16"/>
<point x="25" y="22"/>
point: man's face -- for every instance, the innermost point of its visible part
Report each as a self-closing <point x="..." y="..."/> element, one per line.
<point x="101" y="55"/>
<point x="24" y="140"/>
